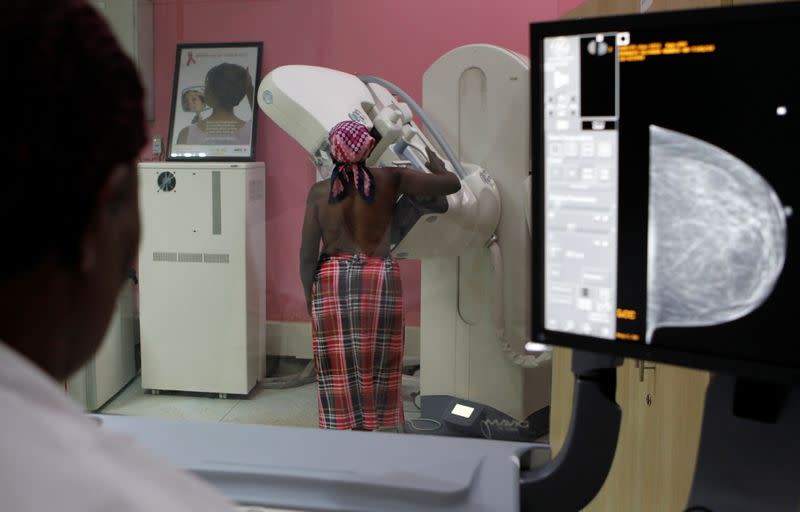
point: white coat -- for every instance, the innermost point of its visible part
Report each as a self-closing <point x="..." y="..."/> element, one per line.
<point x="54" y="457"/>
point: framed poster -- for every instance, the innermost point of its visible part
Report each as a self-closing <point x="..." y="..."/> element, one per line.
<point x="213" y="102"/>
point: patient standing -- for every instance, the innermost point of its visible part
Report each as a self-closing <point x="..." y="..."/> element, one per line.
<point x="353" y="289"/>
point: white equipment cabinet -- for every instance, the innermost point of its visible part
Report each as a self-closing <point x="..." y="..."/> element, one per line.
<point x="202" y="281"/>
<point x="114" y="364"/>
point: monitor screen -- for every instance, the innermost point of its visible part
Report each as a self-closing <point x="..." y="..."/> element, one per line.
<point x="665" y="148"/>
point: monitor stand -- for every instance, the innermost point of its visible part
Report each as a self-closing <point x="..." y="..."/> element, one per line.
<point x="576" y="474"/>
<point x="749" y="456"/>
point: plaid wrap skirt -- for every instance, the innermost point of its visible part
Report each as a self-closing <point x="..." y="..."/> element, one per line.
<point x="358" y="335"/>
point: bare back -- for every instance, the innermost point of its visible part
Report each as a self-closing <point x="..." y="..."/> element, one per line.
<point x="354" y="226"/>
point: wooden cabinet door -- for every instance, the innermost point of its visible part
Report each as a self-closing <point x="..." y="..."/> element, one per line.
<point x="660" y="432"/>
<point x="595" y="8"/>
<point x="671" y="435"/>
<point x="673" y="5"/>
<point x="748" y="2"/>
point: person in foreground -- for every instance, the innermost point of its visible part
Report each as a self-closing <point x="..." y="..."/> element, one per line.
<point x="70" y="221"/>
<point x="353" y="289"/>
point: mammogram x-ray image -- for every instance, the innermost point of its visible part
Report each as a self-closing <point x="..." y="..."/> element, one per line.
<point x="716" y="234"/>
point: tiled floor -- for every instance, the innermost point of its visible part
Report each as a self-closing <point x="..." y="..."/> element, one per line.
<point x="295" y="407"/>
<point x="133" y="401"/>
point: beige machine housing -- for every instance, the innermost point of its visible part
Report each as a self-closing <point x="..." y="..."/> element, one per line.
<point x="202" y="276"/>
<point x="478" y="96"/>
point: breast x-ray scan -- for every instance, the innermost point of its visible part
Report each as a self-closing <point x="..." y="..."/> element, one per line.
<point x="665" y="152"/>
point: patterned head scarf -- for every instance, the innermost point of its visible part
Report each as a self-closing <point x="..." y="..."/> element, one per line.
<point x="351" y="143"/>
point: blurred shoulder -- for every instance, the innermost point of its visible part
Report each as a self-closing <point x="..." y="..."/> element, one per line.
<point x="385" y="173"/>
<point x="318" y="190"/>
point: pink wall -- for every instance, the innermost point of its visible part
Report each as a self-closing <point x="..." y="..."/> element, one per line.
<point x="394" y="40"/>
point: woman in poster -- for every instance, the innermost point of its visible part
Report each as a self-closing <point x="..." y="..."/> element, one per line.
<point x="225" y="86"/>
<point x="192" y="100"/>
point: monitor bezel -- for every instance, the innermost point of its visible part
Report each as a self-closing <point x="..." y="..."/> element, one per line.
<point x="762" y="370"/>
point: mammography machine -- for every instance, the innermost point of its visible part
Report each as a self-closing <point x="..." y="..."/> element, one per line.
<point x="474" y="245"/>
<point x="663" y="229"/>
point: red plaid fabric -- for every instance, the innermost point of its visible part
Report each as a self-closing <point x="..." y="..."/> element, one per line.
<point x="358" y="337"/>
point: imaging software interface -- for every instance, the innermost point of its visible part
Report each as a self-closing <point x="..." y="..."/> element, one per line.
<point x="666" y="200"/>
<point x="581" y="186"/>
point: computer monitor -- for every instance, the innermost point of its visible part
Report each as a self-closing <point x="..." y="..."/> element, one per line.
<point x="665" y="151"/>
